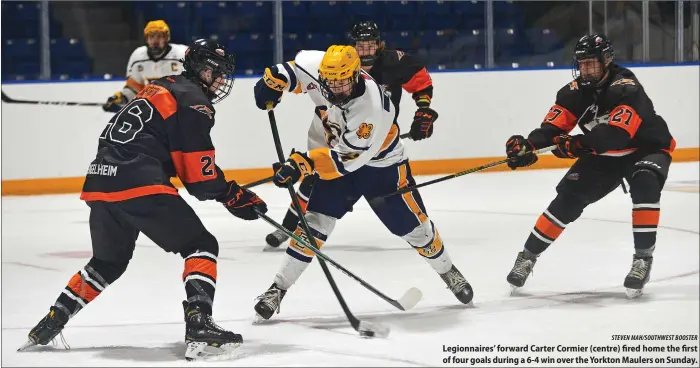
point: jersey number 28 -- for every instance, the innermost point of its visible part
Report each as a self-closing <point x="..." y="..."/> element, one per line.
<point x="128" y="122"/>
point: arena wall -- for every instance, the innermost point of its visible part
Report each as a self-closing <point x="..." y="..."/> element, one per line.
<point x="47" y="149"/>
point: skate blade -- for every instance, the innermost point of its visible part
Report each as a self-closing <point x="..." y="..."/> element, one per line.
<point x="204" y="352"/>
<point x="27" y="346"/>
<point x="634" y="293"/>
<point x="258" y="319"/>
<point x="513" y="289"/>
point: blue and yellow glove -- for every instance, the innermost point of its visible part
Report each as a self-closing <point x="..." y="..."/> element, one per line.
<point x="114" y="103"/>
<point x="269" y="88"/>
<point x="298" y="165"/>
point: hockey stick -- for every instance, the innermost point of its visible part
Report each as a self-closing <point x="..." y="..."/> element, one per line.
<point x="409" y="299"/>
<point x="364" y="328"/>
<point x="8" y="99"/>
<point x="269" y="179"/>
<point x="376" y="201"/>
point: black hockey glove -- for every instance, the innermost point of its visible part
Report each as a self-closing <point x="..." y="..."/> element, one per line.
<point x="297" y="165"/>
<point x="242" y="202"/>
<point x="422" y="126"/>
<point x="269" y="88"/>
<point x="114" y="103"/>
<point x="569" y="146"/>
<point x="514" y="146"/>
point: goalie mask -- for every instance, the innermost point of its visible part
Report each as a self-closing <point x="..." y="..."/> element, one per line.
<point x="339" y="73"/>
<point x="208" y="63"/>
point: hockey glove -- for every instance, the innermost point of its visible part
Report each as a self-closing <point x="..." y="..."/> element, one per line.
<point x="298" y="165"/>
<point x="242" y="202"/>
<point x="516" y="145"/>
<point x="269" y="88"/>
<point x="422" y="126"/>
<point x="114" y="103"/>
<point x="569" y="146"/>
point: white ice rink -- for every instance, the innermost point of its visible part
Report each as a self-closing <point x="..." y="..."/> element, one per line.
<point x="575" y="296"/>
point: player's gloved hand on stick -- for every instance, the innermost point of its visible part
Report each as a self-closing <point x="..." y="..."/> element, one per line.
<point x="269" y="88"/>
<point x="114" y="103"/>
<point x="298" y="165"/>
<point x="422" y="126"/>
<point x="569" y="146"/>
<point x="515" y="145"/>
<point x="242" y="202"/>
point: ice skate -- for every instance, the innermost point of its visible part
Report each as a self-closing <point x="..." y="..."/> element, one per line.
<point x="205" y="340"/>
<point x="269" y="303"/>
<point x="458" y="285"/>
<point x="638" y="276"/>
<point x="521" y="270"/>
<point x="274" y="240"/>
<point x="47" y="329"/>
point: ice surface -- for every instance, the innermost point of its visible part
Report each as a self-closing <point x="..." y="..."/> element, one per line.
<point x="575" y="296"/>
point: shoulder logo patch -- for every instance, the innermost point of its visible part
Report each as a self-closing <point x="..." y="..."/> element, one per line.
<point x="400" y="54"/>
<point x="623" y="81"/>
<point x="204" y="109"/>
<point x="364" y="131"/>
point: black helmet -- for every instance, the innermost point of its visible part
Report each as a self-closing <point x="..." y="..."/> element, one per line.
<point x="205" y="55"/>
<point x="366" y="31"/>
<point x="593" y="46"/>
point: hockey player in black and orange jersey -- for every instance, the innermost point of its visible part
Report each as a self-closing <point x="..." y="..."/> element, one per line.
<point x="396" y="71"/>
<point x="623" y="137"/>
<point x="162" y="133"/>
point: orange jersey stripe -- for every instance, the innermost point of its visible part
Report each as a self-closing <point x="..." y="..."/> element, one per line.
<point x="625" y="117"/>
<point x="548" y="228"/>
<point x="82" y="289"/>
<point x="136" y="86"/>
<point x="645" y="217"/>
<point x="128" y="194"/>
<point x="299" y="248"/>
<point x="193" y="167"/>
<point x="421" y="80"/>
<point x="200" y="265"/>
<point x="160" y="98"/>
<point x="561" y="118"/>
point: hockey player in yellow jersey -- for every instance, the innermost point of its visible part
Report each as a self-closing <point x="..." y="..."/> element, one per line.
<point x="355" y="149"/>
<point x="156" y="59"/>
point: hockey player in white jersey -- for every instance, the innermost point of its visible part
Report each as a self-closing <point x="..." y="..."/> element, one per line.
<point x="156" y="59"/>
<point x="355" y="149"/>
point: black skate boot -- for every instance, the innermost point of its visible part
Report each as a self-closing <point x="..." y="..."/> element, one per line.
<point x="521" y="270"/>
<point x="276" y="238"/>
<point x="638" y="275"/>
<point x="458" y="285"/>
<point x="269" y="303"/>
<point x="205" y="340"/>
<point x="47" y="329"/>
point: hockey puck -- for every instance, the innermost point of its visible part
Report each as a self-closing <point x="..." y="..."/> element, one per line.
<point x="366" y="333"/>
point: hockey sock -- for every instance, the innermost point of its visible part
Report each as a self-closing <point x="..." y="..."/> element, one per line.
<point x="200" y="279"/>
<point x="298" y="256"/>
<point x="433" y="251"/>
<point x="645" y="190"/>
<point x="87" y="284"/>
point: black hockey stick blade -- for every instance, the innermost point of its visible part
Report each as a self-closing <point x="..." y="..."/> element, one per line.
<point x="407" y="301"/>
<point x="8" y="99"/>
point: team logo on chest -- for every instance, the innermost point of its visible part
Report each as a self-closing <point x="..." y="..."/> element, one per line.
<point x="364" y="131"/>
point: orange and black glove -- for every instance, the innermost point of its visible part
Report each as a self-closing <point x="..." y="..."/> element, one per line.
<point x="569" y="146"/>
<point x="242" y="202"/>
<point x="422" y="126"/>
<point x="518" y="150"/>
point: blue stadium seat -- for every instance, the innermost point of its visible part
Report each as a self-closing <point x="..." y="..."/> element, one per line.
<point x="361" y="10"/>
<point x="435" y="8"/>
<point x="441" y="22"/>
<point x="294" y="9"/>
<point x="433" y="40"/>
<point x="542" y="41"/>
<point x="244" y="43"/>
<point x="403" y="7"/>
<point x="506" y="41"/>
<point x="402" y="40"/>
<point x="22" y="48"/>
<point x="327" y="9"/>
<point x="66" y="48"/>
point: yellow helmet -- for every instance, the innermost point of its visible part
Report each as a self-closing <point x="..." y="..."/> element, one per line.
<point x="340" y="63"/>
<point x="157" y="26"/>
